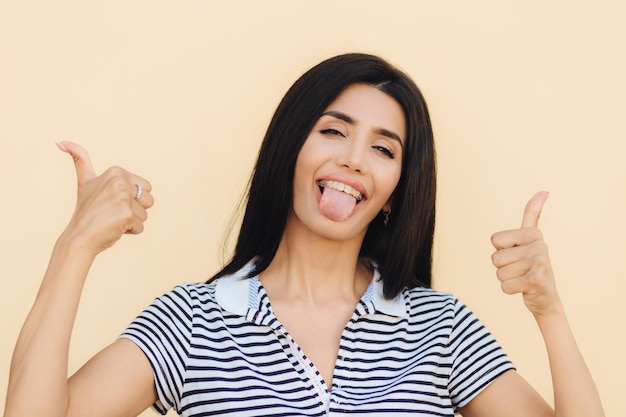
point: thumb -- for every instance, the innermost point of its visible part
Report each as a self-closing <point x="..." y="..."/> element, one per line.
<point x="84" y="168"/>
<point x="532" y="212"/>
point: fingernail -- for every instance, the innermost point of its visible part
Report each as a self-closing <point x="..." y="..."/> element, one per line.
<point x="61" y="146"/>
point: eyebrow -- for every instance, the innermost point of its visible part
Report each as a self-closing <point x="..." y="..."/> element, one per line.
<point x="379" y="130"/>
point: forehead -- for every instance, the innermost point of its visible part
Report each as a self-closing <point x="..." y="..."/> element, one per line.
<point x="371" y="107"/>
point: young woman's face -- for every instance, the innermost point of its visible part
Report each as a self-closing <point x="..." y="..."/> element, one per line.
<point x="349" y="164"/>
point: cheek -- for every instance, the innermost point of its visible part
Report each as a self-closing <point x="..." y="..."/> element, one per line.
<point x="389" y="181"/>
<point x="310" y="158"/>
<point x="304" y="172"/>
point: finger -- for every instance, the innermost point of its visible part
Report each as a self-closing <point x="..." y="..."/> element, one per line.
<point x="532" y="212"/>
<point x="140" y="215"/>
<point x="517" y="237"/>
<point x="146" y="200"/>
<point x="135" y="228"/>
<point x="514" y="285"/>
<point x="82" y="162"/>
<point x="137" y="180"/>
<point x="507" y="256"/>
<point x="514" y="270"/>
<point x="142" y="188"/>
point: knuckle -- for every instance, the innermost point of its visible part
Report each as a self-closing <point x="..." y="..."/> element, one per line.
<point x="542" y="261"/>
<point x="538" y="246"/>
<point x="495" y="257"/>
<point x="116" y="180"/>
<point x="541" y="249"/>
<point x="138" y="228"/>
<point x="119" y="183"/>
<point x="507" y="287"/>
<point x="534" y="279"/>
<point x="501" y="274"/>
<point x="149" y="201"/>
<point x="126" y="214"/>
<point x="115" y="171"/>
<point x="535" y="234"/>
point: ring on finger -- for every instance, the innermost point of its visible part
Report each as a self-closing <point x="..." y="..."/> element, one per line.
<point x="139" y="191"/>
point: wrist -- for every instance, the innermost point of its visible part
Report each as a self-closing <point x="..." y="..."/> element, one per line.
<point x="72" y="255"/>
<point x="75" y="245"/>
<point x="553" y="320"/>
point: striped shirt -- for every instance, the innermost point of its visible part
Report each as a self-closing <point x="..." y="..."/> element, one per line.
<point x="218" y="349"/>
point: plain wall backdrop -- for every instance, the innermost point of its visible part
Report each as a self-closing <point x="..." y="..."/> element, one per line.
<point x="524" y="96"/>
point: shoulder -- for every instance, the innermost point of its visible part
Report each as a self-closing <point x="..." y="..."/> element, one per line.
<point x="425" y="305"/>
<point x="229" y="293"/>
<point x="191" y="291"/>
<point x="428" y="299"/>
<point x="186" y="297"/>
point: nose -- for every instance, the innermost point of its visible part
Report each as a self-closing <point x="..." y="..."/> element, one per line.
<point x="353" y="155"/>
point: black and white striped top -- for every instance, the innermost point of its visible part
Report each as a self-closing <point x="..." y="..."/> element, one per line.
<point x="218" y="349"/>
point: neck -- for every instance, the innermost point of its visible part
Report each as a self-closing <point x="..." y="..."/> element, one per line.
<point x="311" y="268"/>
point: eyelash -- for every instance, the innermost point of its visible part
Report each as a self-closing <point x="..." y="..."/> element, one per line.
<point x="331" y="132"/>
<point x="388" y="152"/>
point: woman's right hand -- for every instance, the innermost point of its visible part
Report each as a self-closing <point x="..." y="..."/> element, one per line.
<point x="106" y="205"/>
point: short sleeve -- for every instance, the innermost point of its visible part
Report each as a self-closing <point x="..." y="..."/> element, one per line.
<point x="477" y="358"/>
<point x="163" y="332"/>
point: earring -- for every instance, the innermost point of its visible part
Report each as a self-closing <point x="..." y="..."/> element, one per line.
<point x="386" y="219"/>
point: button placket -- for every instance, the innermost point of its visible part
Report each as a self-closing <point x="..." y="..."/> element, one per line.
<point x="265" y="316"/>
<point x="311" y="372"/>
<point x="342" y="367"/>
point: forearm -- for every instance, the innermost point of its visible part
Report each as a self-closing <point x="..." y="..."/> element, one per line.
<point x="38" y="377"/>
<point x="575" y="393"/>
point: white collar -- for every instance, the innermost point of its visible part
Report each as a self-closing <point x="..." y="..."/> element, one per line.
<point x="238" y="294"/>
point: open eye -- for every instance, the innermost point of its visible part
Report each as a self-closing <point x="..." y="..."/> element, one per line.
<point x="386" y="151"/>
<point x="331" y="131"/>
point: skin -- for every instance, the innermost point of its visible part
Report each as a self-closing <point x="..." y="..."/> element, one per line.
<point x="347" y="145"/>
<point x="315" y="274"/>
<point x="315" y="279"/>
<point x="118" y="381"/>
<point x="523" y="267"/>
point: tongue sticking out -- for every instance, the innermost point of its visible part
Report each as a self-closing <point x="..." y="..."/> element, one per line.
<point x="336" y="205"/>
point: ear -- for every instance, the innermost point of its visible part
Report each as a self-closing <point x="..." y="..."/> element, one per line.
<point x="387" y="206"/>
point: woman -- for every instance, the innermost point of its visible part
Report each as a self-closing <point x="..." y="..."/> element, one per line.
<point x="325" y="306"/>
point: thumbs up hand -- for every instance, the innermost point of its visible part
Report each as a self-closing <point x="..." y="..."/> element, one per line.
<point x="107" y="206"/>
<point x="522" y="261"/>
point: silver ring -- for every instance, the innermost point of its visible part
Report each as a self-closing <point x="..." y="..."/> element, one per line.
<point x="139" y="191"/>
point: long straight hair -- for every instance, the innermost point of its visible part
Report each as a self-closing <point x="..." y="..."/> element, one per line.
<point x="402" y="250"/>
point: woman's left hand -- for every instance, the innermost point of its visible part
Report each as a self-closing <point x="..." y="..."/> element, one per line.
<point x="522" y="261"/>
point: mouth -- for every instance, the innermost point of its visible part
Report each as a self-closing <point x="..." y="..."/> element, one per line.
<point x="339" y="186"/>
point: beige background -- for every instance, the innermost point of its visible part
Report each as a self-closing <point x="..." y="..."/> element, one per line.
<point x="524" y="96"/>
